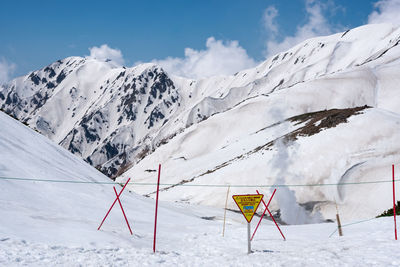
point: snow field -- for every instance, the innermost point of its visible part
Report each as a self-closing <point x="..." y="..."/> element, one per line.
<point x="366" y="244"/>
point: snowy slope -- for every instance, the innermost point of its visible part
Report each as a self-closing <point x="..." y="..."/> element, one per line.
<point x="54" y="223"/>
<point x="67" y="213"/>
<point x="49" y="212"/>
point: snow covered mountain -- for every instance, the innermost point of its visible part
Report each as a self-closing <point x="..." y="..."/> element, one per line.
<point x="93" y="109"/>
<point x="325" y="111"/>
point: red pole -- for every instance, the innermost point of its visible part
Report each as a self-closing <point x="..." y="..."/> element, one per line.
<point x="113" y="204"/>
<point x="155" y="217"/>
<point x="270" y="214"/>
<point x="123" y="212"/>
<point x="394" y="206"/>
<point x="255" y="230"/>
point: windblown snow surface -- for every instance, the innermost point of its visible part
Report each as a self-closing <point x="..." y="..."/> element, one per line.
<point x="55" y="223"/>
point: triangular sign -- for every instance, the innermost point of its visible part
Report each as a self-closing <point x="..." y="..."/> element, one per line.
<point x="248" y="204"/>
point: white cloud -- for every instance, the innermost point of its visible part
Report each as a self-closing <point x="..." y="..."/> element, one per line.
<point x="6" y="70"/>
<point x="269" y="16"/>
<point x="219" y="58"/>
<point x="105" y="53"/>
<point x="316" y="25"/>
<point x="386" y="11"/>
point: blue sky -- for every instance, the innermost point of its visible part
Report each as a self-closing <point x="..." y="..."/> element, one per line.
<point x="36" y="33"/>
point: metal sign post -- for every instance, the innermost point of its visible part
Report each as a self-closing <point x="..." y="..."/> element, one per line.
<point x="248" y="239"/>
<point x="248" y="205"/>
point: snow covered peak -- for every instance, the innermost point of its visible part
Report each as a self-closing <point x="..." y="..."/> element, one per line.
<point x="146" y="66"/>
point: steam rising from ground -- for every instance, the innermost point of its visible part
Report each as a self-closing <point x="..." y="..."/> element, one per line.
<point x="291" y="211"/>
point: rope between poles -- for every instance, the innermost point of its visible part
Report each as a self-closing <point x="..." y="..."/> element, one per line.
<point x="344" y="225"/>
<point x="206" y="185"/>
<point x="194" y="185"/>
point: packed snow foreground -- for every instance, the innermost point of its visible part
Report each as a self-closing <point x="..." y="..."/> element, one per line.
<point x="319" y="122"/>
<point x="55" y="222"/>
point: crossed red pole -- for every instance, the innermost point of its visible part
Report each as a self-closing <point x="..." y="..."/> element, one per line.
<point x="270" y="214"/>
<point x="117" y="198"/>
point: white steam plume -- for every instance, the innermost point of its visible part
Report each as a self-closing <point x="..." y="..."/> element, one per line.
<point x="291" y="211"/>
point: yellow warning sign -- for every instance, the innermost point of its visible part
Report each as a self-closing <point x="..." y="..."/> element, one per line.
<point x="248" y="204"/>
